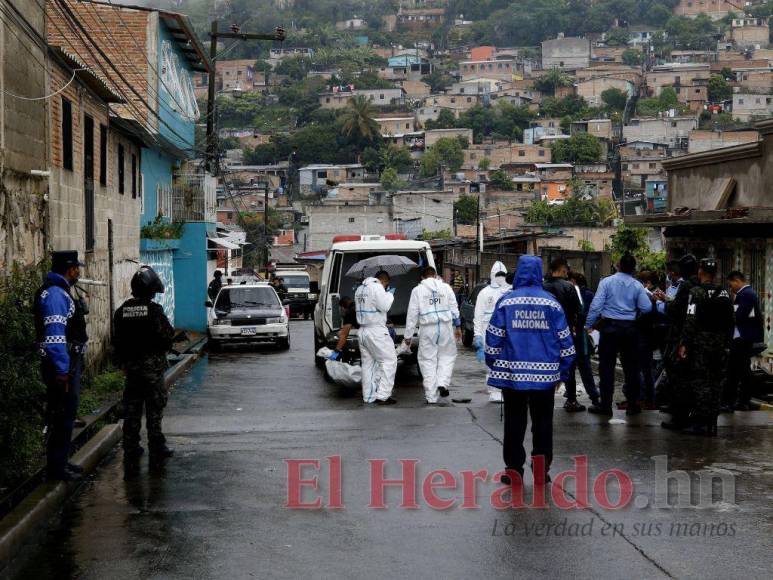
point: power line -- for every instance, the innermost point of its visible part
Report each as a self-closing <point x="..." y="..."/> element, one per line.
<point x="83" y="32"/>
<point x="67" y="84"/>
<point x="130" y="104"/>
<point x="108" y="34"/>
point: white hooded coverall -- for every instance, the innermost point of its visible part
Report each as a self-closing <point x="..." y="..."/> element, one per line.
<point x="484" y="308"/>
<point x="377" y="349"/>
<point x="433" y="307"/>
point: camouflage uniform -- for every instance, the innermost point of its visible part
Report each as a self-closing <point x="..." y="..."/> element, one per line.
<point x="143" y="336"/>
<point x="677" y="373"/>
<point x="706" y="334"/>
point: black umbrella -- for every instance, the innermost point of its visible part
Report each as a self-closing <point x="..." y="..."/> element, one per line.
<point x="390" y="263"/>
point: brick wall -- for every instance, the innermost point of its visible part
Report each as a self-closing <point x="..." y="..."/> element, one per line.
<point x="67" y="225"/>
<point x="122" y="34"/>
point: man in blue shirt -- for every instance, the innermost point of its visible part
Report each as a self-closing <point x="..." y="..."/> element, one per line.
<point x="674" y="279"/>
<point x="748" y="337"/>
<point x="620" y="298"/>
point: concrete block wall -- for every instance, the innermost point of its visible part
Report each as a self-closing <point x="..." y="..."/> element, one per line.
<point x="23" y="125"/>
<point x="67" y="207"/>
<point x="327" y="222"/>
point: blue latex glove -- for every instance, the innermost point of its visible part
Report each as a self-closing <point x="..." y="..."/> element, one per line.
<point x="480" y="355"/>
<point x="391" y="290"/>
<point x="335" y="355"/>
<point x="478" y="342"/>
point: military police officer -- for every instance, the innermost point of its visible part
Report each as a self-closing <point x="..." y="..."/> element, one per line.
<point x="60" y="328"/>
<point x="677" y="371"/>
<point x="143" y="336"/>
<point x="704" y="345"/>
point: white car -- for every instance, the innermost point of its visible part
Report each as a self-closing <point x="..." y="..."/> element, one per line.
<point x="248" y="313"/>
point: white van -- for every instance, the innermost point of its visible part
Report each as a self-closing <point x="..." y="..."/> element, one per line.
<point x="334" y="283"/>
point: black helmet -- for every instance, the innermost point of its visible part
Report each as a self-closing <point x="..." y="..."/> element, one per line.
<point x="688" y="265"/>
<point x="709" y="265"/>
<point x="146" y="282"/>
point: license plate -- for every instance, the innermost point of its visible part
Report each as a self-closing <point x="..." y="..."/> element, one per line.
<point x="249" y="331"/>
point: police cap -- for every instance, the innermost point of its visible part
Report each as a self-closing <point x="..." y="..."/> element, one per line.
<point x="63" y="260"/>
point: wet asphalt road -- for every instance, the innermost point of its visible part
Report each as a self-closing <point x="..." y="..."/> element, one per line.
<point x="218" y="510"/>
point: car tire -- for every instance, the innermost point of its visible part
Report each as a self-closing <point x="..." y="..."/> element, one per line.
<point x="284" y="343"/>
<point x="467" y="337"/>
<point x="214" y="345"/>
<point x="319" y="362"/>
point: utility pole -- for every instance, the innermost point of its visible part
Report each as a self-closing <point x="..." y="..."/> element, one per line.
<point x="214" y="35"/>
<point x="236" y="34"/>
<point x="478" y="243"/>
<point x="265" y="230"/>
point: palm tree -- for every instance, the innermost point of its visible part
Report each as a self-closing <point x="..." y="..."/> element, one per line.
<point x="357" y="120"/>
<point x="552" y="80"/>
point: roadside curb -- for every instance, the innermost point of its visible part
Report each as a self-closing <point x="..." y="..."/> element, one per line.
<point x="42" y="503"/>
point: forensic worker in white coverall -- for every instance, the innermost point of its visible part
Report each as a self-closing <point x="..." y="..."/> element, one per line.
<point x="484" y="308"/>
<point x="433" y="308"/>
<point x="373" y="300"/>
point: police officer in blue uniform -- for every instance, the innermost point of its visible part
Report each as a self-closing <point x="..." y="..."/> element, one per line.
<point x="60" y="328"/>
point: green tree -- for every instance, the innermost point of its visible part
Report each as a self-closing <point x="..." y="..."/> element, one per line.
<point x="668" y="99"/>
<point x="358" y="122"/>
<point x="295" y="67"/>
<point x="552" y="80"/>
<point x="632" y="57"/>
<point x="580" y="148"/>
<point x="500" y="180"/>
<point x="633" y="241"/>
<point x="445" y="120"/>
<point x="371" y="159"/>
<point x="397" y="157"/>
<point x="436" y="235"/>
<point x="697" y="33"/>
<point x="484" y="164"/>
<point x="466" y="209"/>
<point x="437" y="80"/>
<point x="614" y="98"/>
<point x="446" y="152"/>
<point x="570" y="106"/>
<point x="389" y="179"/>
<point x="617" y="37"/>
<point x="719" y="90"/>
<point x="585" y="246"/>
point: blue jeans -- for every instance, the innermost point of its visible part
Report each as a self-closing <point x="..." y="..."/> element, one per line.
<point x="61" y="409"/>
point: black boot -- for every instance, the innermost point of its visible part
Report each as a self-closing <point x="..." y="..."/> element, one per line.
<point x="161" y="452"/>
<point x="506" y="479"/>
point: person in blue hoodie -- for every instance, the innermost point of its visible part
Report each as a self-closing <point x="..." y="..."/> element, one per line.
<point x="60" y="328"/>
<point x="529" y="350"/>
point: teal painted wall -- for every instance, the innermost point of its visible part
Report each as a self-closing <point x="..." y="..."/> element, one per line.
<point x="156" y="169"/>
<point x="177" y="110"/>
<point x="190" y="277"/>
<point x="163" y="263"/>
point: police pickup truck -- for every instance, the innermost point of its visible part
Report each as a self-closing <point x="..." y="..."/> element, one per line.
<point x="301" y="294"/>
